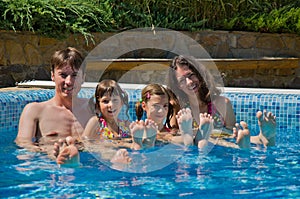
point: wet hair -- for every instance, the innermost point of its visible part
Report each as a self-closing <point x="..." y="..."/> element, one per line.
<point x="111" y="88"/>
<point x="147" y="92"/>
<point x="207" y="87"/>
<point x="69" y="56"/>
<point x="175" y="105"/>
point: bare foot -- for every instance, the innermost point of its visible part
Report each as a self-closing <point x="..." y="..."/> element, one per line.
<point x="137" y="129"/>
<point x="185" y="119"/>
<point x="267" y="126"/>
<point x="204" y="130"/>
<point x="57" y="146"/>
<point x="67" y="154"/>
<point x="242" y="135"/>
<point x="121" y="156"/>
<point x="151" y="132"/>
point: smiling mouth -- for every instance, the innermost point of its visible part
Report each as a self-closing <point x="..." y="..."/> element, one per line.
<point x="193" y="87"/>
<point x="68" y="89"/>
<point x="160" y="116"/>
<point x="111" y="111"/>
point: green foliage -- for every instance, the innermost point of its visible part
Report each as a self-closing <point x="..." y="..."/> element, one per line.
<point x="56" y="18"/>
<point x="280" y="20"/>
<point x="59" y="18"/>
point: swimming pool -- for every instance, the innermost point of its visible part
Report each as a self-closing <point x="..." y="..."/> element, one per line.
<point x="224" y="172"/>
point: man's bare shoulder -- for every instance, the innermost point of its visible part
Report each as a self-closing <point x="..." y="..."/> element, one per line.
<point x="36" y="107"/>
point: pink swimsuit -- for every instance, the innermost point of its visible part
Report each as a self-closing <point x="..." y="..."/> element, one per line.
<point x="219" y="121"/>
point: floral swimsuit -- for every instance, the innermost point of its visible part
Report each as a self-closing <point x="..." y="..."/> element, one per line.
<point x="105" y="132"/>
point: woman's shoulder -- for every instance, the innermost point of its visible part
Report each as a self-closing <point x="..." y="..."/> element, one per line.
<point x="222" y="99"/>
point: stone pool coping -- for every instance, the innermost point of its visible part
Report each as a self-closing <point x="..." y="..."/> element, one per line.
<point x="37" y="84"/>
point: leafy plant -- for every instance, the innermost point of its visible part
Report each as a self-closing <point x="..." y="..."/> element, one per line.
<point x="59" y="18"/>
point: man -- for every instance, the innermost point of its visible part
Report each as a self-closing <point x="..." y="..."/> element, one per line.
<point x="45" y="126"/>
<point x="43" y="123"/>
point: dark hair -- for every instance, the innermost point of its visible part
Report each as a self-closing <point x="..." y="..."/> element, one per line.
<point x="110" y="87"/>
<point x="207" y="88"/>
<point x="67" y="56"/>
<point x="147" y="92"/>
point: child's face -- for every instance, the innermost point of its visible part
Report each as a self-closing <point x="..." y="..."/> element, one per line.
<point x="157" y="108"/>
<point x="110" y="106"/>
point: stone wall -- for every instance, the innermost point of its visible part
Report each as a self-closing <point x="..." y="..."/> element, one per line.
<point x="25" y="56"/>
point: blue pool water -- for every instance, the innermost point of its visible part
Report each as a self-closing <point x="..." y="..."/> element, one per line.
<point x="222" y="173"/>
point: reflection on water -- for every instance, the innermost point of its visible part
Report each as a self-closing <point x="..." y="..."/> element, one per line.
<point x="224" y="172"/>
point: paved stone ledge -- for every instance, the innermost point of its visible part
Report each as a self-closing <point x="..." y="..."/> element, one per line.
<point x="36" y="85"/>
<point x="241" y="57"/>
<point x="221" y="64"/>
<point x="264" y="72"/>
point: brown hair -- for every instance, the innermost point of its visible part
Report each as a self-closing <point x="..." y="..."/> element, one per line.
<point x="147" y="92"/>
<point x="110" y="87"/>
<point x="207" y="88"/>
<point x="67" y="56"/>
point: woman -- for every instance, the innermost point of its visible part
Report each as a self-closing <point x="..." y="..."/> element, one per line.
<point x="195" y="87"/>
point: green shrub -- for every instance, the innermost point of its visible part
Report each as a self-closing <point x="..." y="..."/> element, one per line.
<point x="59" y="18"/>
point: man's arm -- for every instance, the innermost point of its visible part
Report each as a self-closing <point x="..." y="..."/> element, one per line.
<point x="28" y="126"/>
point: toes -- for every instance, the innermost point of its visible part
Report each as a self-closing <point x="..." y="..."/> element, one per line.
<point x="70" y="140"/>
<point x="244" y="125"/>
<point x="188" y="111"/>
<point x="271" y="116"/>
<point x="56" y="149"/>
<point x="235" y="133"/>
<point x="259" y="114"/>
<point x="121" y="152"/>
<point x="237" y="126"/>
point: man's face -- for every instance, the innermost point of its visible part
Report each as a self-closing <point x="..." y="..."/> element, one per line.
<point x="67" y="81"/>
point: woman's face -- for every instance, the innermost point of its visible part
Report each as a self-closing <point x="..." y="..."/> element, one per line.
<point x="157" y="108"/>
<point x="110" y="106"/>
<point x="187" y="80"/>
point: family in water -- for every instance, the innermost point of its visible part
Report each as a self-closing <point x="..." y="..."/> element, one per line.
<point x="188" y="110"/>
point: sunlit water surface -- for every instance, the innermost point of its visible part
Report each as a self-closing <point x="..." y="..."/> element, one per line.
<point x="223" y="173"/>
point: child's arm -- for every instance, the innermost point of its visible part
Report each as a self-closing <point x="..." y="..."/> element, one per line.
<point x="91" y="129"/>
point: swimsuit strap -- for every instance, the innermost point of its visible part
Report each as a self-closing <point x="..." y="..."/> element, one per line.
<point x="219" y="121"/>
<point x="167" y="129"/>
<point x="210" y="108"/>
